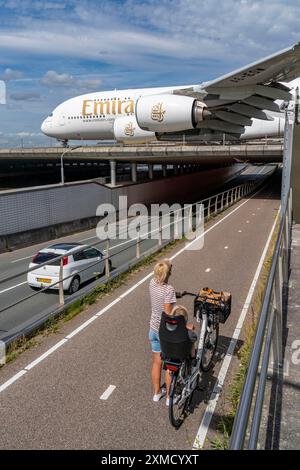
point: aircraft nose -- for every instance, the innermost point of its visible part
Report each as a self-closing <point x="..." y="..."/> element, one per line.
<point x="44" y="127"/>
<point x="47" y="126"/>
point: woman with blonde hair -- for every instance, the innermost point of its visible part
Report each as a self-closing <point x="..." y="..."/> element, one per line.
<point x="163" y="299"/>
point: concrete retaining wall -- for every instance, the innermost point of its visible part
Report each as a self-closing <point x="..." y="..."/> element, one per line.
<point x="39" y="214"/>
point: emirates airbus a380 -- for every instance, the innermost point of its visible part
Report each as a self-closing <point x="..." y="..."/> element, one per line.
<point x="247" y="103"/>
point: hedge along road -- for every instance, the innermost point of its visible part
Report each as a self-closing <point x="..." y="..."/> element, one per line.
<point x="52" y="396"/>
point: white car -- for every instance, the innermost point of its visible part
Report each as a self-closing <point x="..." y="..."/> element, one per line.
<point x="77" y="268"/>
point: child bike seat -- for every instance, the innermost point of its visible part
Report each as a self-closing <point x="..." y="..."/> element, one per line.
<point x="174" y="340"/>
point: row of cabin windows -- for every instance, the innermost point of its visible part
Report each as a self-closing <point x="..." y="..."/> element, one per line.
<point x="111" y="99"/>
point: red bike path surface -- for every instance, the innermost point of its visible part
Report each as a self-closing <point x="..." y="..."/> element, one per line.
<point x="54" y="403"/>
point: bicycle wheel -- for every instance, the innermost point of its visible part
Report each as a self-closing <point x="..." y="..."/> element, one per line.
<point x="210" y="345"/>
<point x="177" y="408"/>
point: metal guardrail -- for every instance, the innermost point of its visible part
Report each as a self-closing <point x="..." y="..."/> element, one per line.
<point x="269" y="337"/>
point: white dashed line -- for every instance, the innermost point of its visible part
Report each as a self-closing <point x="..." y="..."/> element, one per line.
<point x="208" y="270"/>
<point x="21" y="259"/>
<point x="225" y="247"/>
<point x="12" y="287"/>
<point x="108" y="392"/>
<point x="240" y="231"/>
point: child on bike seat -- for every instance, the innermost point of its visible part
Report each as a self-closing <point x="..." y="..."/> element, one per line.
<point x="181" y="310"/>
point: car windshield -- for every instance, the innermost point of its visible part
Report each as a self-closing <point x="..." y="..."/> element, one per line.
<point x="44" y="257"/>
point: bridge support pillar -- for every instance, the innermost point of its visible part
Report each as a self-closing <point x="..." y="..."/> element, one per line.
<point x="164" y="170"/>
<point x="150" y="169"/>
<point x="295" y="174"/>
<point x="175" y="167"/>
<point x="113" y="172"/>
<point x="134" y="172"/>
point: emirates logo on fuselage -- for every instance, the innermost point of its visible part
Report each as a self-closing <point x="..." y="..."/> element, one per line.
<point x="157" y="113"/>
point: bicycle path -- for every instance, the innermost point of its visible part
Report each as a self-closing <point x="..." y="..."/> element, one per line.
<point x="53" y="401"/>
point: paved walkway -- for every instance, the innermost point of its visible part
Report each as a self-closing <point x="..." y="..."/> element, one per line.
<point x="50" y="397"/>
<point x="289" y="430"/>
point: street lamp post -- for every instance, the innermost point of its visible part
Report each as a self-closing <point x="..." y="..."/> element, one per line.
<point x="62" y="173"/>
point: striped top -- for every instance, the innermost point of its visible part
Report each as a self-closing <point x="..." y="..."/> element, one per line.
<point x="160" y="294"/>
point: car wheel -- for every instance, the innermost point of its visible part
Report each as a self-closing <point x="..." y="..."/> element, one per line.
<point x="74" y="286"/>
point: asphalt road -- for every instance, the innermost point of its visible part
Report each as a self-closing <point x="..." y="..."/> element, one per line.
<point x="15" y="319"/>
<point x="54" y="400"/>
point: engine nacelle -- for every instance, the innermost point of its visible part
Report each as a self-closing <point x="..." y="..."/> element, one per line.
<point x="169" y="113"/>
<point x="127" y="130"/>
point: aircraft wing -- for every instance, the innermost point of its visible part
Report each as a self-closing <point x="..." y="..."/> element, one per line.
<point x="250" y="92"/>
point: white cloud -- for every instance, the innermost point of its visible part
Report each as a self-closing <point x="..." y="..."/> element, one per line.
<point x="142" y="34"/>
<point x="54" y="79"/>
<point x="32" y="5"/>
<point x="130" y="44"/>
<point x="27" y="134"/>
<point x="25" y="96"/>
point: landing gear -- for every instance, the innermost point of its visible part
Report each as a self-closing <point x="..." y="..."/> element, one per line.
<point x="64" y="142"/>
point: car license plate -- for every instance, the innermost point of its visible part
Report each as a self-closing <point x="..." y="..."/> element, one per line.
<point x="43" y="280"/>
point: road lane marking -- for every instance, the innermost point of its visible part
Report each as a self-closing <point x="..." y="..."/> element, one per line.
<point x="12" y="380"/>
<point x="81" y="327"/>
<point x="21" y="259"/>
<point x="125" y="294"/>
<point x="225" y="247"/>
<point x="240" y="231"/>
<point x="210" y="409"/>
<point x="89" y="238"/>
<point x="207" y="270"/>
<point x="46" y="354"/>
<point x="13" y="287"/>
<point x="84" y="239"/>
<point x="108" y="392"/>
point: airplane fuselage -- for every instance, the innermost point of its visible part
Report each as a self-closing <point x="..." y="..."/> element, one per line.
<point x="93" y="116"/>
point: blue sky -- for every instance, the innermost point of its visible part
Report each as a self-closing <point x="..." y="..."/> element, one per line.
<point x="53" y="50"/>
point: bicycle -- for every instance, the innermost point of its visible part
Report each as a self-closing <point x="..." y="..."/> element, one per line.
<point x="186" y="371"/>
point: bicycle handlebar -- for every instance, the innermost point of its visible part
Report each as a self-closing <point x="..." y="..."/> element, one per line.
<point x="179" y="295"/>
<point x="182" y="294"/>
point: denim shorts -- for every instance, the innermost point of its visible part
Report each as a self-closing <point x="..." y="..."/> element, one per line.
<point x="154" y="340"/>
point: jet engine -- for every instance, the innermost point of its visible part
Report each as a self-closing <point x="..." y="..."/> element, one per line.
<point x="169" y="113"/>
<point x="127" y="130"/>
